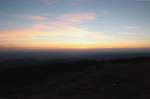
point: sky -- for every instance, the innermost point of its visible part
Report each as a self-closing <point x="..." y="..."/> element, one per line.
<point x="74" y="24"/>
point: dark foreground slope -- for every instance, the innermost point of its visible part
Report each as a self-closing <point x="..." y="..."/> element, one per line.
<point x="75" y="79"/>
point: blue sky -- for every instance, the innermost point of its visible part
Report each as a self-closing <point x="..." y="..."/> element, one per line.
<point x="74" y="23"/>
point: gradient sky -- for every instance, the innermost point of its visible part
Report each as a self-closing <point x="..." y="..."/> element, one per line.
<point x="74" y="24"/>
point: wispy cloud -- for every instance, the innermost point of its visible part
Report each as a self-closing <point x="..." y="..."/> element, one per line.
<point x="132" y="34"/>
<point x="8" y="22"/>
<point x="31" y="17"/>
<point x="132" y="31"/>
<point x="104" y="13"/>
<point x="49" y="2"/>
<point x="135" y="27"/>
<point x="26" y="16"/>
<point x="66" y="22"/>
<point x="129" y="33"/>
<point x="77" y="17"/>
<point x="63" y="30"/>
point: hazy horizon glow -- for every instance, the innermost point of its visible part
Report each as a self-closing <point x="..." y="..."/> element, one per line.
<point x="74" y="24"/>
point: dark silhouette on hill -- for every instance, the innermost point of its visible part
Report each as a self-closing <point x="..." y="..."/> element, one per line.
<point x="38" y="78"/>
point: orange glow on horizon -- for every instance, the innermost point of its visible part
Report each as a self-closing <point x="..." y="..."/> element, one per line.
<point x="81" y="40"/>
<point x="71" y="46"/>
